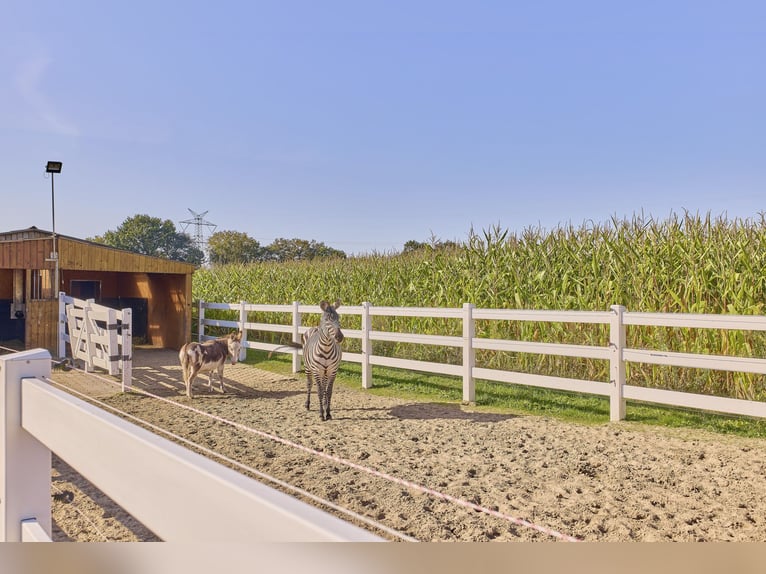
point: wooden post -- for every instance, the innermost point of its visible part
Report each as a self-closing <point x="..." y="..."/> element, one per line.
<point x="616" y="364"/>
<point x="469" y="354"/>
<point x="18" y="291"/>
<point x="366" y="347"/>
<point x="25" y="463"/>
<point x="296" y="336"/>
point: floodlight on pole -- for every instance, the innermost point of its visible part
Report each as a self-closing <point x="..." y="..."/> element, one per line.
<point x="51" y="168"/>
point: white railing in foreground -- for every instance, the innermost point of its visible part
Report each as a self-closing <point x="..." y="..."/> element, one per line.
<point x="178" y="494"/>
<point x="614" y="350"/>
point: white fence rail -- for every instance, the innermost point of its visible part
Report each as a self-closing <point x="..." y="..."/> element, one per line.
<point x="178" y="494"/>
<point x="614" y="350"/>
<point x="99" y="336"/>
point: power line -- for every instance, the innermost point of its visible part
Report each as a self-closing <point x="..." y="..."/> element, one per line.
<point x="199" y="223"/>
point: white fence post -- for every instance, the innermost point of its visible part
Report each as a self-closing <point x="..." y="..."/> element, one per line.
<point x="242" y="321"/>
<point x="201" y="321"/>
<point x="113" y="349"/>
<point x="469" y="354"/>
<point x="25" y="463"/>
<point x="296" y="335"/>
<point x="126" y="348"/>
<point x="87" y="336"/>
<point x="366" y="347"/>
<point x="62" y="326"/>
<point x="617" y="364"/>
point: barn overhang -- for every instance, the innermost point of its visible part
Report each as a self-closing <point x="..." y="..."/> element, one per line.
<point x="35" y="266"/>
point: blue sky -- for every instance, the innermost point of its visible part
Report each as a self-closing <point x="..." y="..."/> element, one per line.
<point x="364" y="124"/>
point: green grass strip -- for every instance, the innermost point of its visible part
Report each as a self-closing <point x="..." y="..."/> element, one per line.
<point x="519" y="400"/>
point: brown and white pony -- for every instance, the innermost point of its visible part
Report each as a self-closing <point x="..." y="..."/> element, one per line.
<point x="209" y="357"/>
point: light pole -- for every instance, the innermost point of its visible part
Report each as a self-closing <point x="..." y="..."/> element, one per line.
<point x="54" y="167"/>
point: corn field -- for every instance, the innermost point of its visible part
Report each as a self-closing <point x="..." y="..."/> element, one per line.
<point x="683" y="264"/>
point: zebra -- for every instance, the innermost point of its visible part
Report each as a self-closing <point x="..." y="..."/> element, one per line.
<point x="321" y="356"/>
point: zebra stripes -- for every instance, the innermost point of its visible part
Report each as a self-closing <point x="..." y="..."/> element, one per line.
<point x="321" y="357"/>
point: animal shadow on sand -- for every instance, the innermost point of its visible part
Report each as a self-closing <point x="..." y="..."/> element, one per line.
<point x="431" y="411"/>
<point x="239" y="392"/>
<point x="166" y="382"/>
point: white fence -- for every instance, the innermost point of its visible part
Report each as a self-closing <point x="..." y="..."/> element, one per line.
<point x="614" y="350"/>
<point x="99" y="336"/>
<point x="178" y="494"/>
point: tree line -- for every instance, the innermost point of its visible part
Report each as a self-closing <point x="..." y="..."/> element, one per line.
<point x="153" y="236"/>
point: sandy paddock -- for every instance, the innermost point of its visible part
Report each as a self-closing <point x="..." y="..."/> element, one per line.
<point x="614" y="482"/>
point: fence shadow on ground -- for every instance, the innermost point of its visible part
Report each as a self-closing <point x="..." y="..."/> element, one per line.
<point x="91" y="496"/>
<point x="431" y="411"/>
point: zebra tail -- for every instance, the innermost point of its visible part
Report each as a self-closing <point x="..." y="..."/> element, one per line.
<point x="291" y="344"/>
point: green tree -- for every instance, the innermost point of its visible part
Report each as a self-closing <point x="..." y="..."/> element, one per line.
<point x="433" y="243"/>
<point x="297" y="249"/>
<point x="413" y="245"/>
<point x="152" y="236"/>
<point x="233" y="247"/>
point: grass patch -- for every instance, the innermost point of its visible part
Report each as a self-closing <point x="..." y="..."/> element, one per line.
<point x="519" y="399"/>
<point x="677" y="417"/>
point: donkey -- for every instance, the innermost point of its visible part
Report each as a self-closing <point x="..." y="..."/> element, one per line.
<point x="209" y="357"/>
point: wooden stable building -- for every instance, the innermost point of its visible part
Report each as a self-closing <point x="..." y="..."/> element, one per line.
<point x="35" y="265"/>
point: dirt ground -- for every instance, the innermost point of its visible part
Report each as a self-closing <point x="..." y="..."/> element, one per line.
<point x="614" y="482"/>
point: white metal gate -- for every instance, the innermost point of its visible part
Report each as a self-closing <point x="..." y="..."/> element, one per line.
<point x="99" y="336"/>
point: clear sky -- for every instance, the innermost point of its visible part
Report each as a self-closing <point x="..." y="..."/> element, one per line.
<point x="365" y="123"/>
